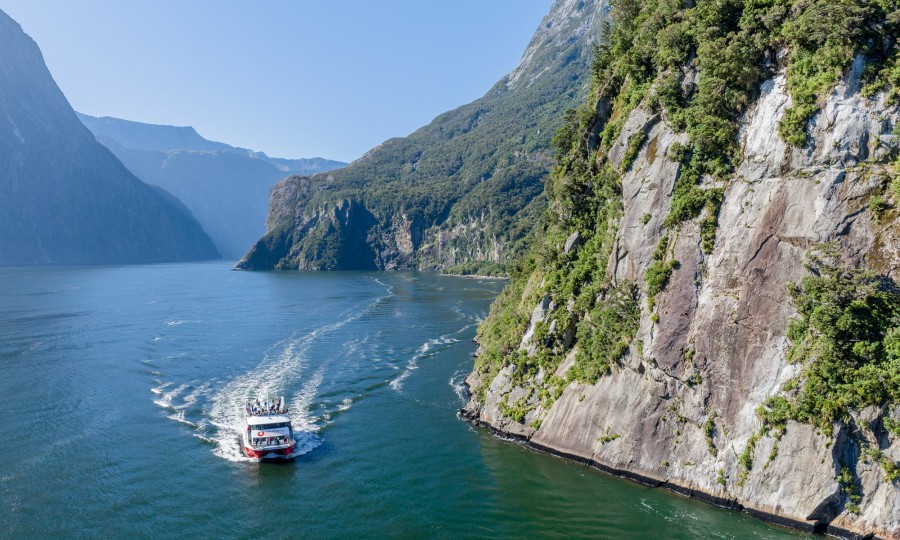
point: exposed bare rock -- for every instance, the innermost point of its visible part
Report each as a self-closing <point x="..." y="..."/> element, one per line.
<point x="679" y="410"/>
<point x="572" y="242"/>
<point x="539" y="315"/>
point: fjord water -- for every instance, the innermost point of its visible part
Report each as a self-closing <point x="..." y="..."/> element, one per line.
<point x="122" y="390"/>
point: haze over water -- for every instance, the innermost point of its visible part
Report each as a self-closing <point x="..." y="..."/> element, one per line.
<point x="122" y="394"/>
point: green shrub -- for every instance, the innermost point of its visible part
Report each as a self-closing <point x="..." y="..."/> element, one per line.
<point x="847" y="338"/>
<point x="657" y="275"/>
<point x="822" y="36"/>
<point x="891" y="426"/>
<point x="720" y="478"/>
<point x="878" y="205"/>
<point x="746" y="457"/>
<point x="709" y="429"/>
<point x="849" y="487"/>
<point x="891" y="469"/>
<point x="478" y="268"/>
<point x="603" y="340"/>
<point x="608" y="437"/>
<point x="635" y="142"/>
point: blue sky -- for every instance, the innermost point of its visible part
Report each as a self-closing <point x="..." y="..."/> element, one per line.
<point x="291" y="78"/>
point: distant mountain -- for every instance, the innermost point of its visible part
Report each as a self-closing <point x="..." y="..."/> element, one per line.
<point x="141" y="136"/>
<point x="227" y="188"/>
<point x="64" y="198"/>
<point x="465" y="189"/>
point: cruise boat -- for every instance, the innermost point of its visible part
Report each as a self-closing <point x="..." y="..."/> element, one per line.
<point x="268" y="432"/>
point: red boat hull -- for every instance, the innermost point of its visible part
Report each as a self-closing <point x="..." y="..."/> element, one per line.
<point x="281" y="452"/>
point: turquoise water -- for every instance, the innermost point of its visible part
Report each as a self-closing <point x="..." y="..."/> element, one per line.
<point x="122" y="390"/>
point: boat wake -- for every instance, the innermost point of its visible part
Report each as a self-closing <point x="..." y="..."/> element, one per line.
<point x="457" y="383"/>
<point x="426" y="350"/>
<point x="215" y="409"/>
<point x="179" y="322"/>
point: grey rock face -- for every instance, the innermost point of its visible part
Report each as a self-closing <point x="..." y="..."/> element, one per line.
<point x="569" y="20"/>
<point x="649" y="418"/>
<point x="64" y="198"/>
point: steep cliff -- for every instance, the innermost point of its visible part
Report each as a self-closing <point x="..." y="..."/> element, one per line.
<point x="467" y="187"/>
<point x="712" y="305"/>
<point x="225" y="187"/>
<point x="64" y="198"/>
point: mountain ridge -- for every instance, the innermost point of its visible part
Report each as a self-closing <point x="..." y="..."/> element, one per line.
<point x="226" y="187"/>
<point x="165" y="138"/>
<point x="64" y="198"/>
<point x="422" y="199"/>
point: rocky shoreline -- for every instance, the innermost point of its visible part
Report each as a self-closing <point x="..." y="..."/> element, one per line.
<point x="474" y="276"/>
<point x="472" y="415"/>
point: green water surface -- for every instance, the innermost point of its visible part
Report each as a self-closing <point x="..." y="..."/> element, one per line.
<point x="122" y="389"/>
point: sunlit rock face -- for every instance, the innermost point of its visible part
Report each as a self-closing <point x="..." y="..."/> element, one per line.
<point x="660" y="412"/>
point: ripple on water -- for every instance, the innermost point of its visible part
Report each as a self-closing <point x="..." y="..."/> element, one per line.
<point x="214" y="410"/>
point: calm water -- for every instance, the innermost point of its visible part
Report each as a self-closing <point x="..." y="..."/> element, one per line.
<point x="122" y="390"/>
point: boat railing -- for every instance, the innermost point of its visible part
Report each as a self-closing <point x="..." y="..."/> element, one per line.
<point x="273" y="446"/>
<point x="251" y="411"/>
<point x="267" y="407"/>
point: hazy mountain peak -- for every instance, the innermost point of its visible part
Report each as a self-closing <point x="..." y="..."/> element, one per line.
<point x="226" y="187"/>
<point x="64" y="198"/>
<point x="143" y="136"/>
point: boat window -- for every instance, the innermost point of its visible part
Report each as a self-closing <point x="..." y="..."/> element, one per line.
<point x="271" y="426"/>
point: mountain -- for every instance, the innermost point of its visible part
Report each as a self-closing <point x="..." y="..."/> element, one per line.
<point x="465" y="189"/>
<point x="711" y="301"/>
<point x="64" y="198"/>
<point x="226" y="188"/>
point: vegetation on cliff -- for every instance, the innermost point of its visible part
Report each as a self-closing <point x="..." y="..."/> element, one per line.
<point x="467" y="187"/>
<point x="847" y="340"/>
<point x="699" y="66"/>
<point x="847" y="337"/>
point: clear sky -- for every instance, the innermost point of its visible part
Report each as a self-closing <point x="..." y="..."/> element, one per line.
<point x="297" y="78"/>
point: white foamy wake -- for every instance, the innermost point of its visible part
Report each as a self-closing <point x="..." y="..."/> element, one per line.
<point x="285" y="362"/>
<point x="411" y="365"/>
<point x="179" y="322"/>
<point x="456" y="382"/>
<point x="216" y="413"/>
<point x="165" y="398"/>
<point x="162" y="386"/>
<point x="427" y="349"/>
<point x="267" y="380"/>
<point x="179" y="412"/>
